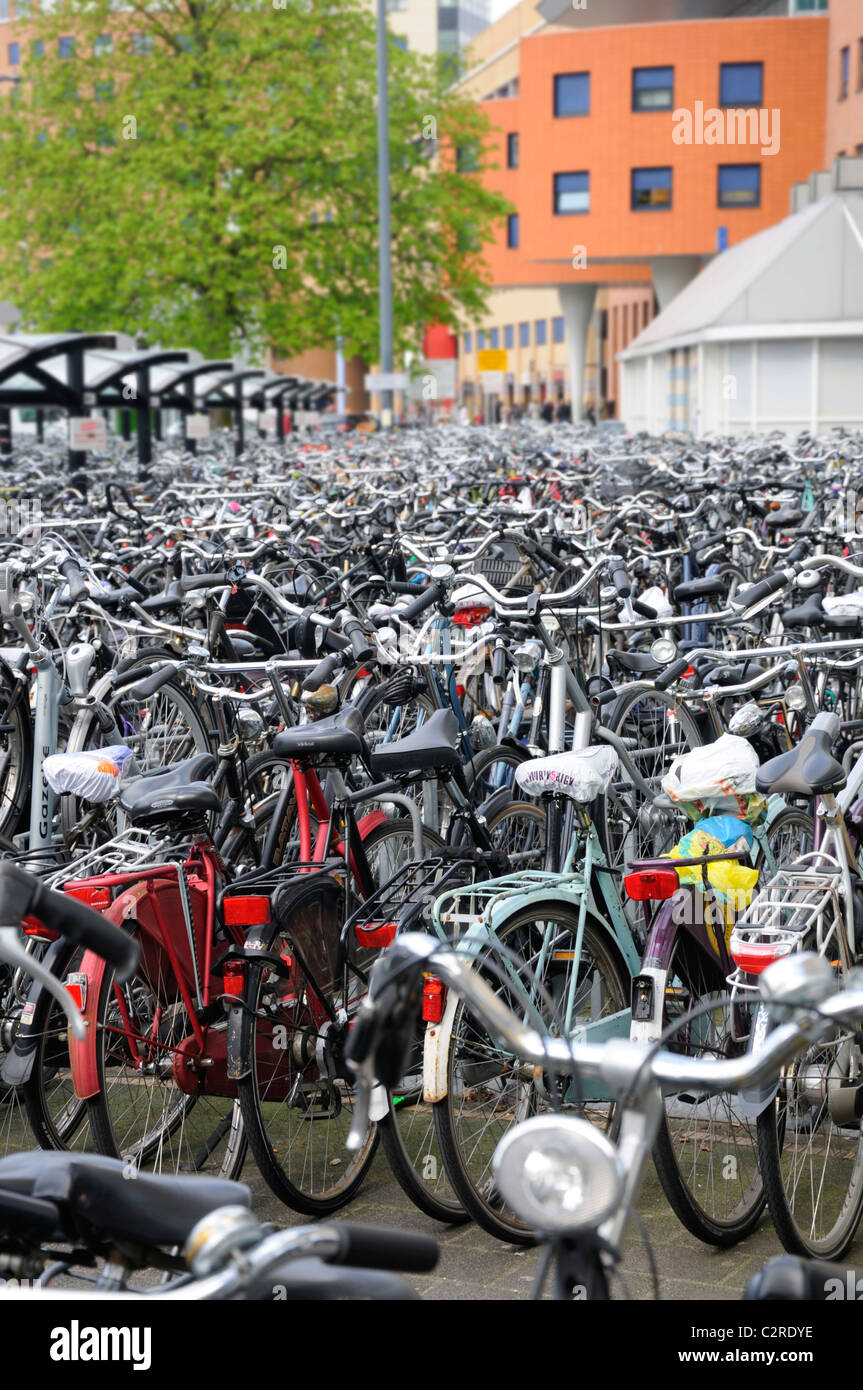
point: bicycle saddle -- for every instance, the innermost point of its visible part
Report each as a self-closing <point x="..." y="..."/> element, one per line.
<point x="167" y="792"/>
<point x="433" y="744"/>
<point x="810" y="769"/>
<point x="582" y="775"/>
<point x="104" y="1194"/>
<point x="640" y="663"/>
<point x="341" y="735"/>
<point x="700" y="588"/>
<point x="812" y="613"/>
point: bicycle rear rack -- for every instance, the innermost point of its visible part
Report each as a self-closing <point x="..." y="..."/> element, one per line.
<point x="798" y="905"/>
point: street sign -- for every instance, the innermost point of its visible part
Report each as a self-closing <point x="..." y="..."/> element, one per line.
<point x="386" y="381"/>
<point x="492" y="360"/>
<point x="85" y="433"/>
<point x="493" y="382"/>
<point x="197" y="426"/>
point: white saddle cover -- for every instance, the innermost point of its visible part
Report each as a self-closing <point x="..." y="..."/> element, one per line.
<point x="581" y="776"/>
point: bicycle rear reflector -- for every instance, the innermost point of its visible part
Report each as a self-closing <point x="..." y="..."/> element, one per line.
<point x="434" y="999"/>
<point x="648" y="884"/>
<point x="234" y="979"/>
<point x="471" y="616"/>
<point x="76" y="988"/>
<point x="754" y="956"/>
<point x="376" y="933"/>
<point x="246" y="911"/>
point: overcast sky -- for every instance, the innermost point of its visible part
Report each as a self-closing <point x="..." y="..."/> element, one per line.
<point x="499" y="7"/>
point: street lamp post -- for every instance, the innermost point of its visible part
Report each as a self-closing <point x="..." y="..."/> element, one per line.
<point x="384" y="261"/>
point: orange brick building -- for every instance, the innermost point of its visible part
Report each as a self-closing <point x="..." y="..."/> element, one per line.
<point x="617" y="199"/>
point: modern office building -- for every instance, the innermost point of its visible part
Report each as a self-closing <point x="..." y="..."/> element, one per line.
<point x="637" y="140"/>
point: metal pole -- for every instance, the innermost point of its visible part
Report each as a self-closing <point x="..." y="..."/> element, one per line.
<point x="75" y="382"/>
<point x="341" y="379"/>
<point x="384" y="262"/>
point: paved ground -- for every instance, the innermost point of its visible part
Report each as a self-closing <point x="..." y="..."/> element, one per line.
<point x="473" y="1265"/>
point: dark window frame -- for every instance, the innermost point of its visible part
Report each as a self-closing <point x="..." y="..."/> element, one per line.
<point x="567" y="115"/>
<point x="556" y="193"/>
<point x="651" y="207"/>
<point x="646" y="110"/>
<point x="733" y="204"/>
<point x="741" y="105"/>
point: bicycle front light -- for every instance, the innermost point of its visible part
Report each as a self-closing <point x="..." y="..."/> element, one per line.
<point x="559" y="1173"/>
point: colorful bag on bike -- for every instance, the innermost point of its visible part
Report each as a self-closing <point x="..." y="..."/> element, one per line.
<point x="95" y="777"/>
<point x="731" y="885"/>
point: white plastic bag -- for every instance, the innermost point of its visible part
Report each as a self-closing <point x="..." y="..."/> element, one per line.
<point x="95" y="776"/>
<point x="582" y="775"/>
<point x="724" y="768"/>
<point x="656" y="599"/>
<point x="844" y="605"/>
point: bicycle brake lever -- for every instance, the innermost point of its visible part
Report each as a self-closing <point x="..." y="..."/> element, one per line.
<point x="12" y="951"/>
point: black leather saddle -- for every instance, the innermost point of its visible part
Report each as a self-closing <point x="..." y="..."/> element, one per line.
<point x="340" y="737"/>
<point x="639" y="663"/>
<point x="433" y="744"/>
<point x="165" y="792"/>
<point x="693" y="589"/>
<point x="733" y="673"/>
<point x="149" y="1209"/>
<point x="810" y="769"/>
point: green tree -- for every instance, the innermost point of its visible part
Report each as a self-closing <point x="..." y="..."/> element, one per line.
<point x="204" y="173"/>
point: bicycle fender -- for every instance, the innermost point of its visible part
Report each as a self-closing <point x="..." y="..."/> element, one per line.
<point x="648" y="999"/>
<point x="18" y="1064"/>
<point x="83" y="1055"/>
<point x="751" y="1102"/>
<point x="436" y="1051"/>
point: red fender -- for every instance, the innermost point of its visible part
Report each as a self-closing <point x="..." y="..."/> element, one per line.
<point x="82" y="1055"/>
<point x="370" y="823"/>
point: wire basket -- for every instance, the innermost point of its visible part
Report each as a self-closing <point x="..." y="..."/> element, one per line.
<point x="800" y="906"/>
<point x="402" y="900"/>
<point x="502" y="571"/>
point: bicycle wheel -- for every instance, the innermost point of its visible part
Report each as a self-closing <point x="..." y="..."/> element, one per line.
<point x="489" y="1091"/>
<point x="141" y="1114"/>
<point x="810" y="1148"/>
<point x="15" y="755"/>
<point x="409" y="1140"/>
<point x="789" y="836"/>
<point x="706" y="1150"/>
<point x="296" y="1096"/>
<point x="494" y="768"/>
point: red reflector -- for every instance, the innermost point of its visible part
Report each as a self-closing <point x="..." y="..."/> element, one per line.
<point x="651" y="883"/>
<point x="96" y="898"/>
<point x="76" y="988"/>
<point x="754" y="956"/>
<point x="434" y="999"/>
<point x="234" y="979"/>
<point x="376" y="933"/>
<point x="688" y="673"/>
<point x="33" y="927"/>
<point x="471" y="616"/>
<point x="246" y="911"/>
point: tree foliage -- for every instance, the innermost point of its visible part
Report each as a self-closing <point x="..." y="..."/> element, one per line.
<point x="203" y="172"/>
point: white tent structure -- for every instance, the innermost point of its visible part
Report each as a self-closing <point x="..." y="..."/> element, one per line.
<point x="770" y="334"/>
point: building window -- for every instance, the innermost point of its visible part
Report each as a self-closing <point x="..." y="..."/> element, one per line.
<point x="142" y="44"/>
<point x="524" y="335"/>
<point x="512" y="231"/>
<point x="67" y="46"/>
<point x="37" y="48"/>
<point x="741" y="84"/>
<point x="401" y="43"/>
<point x="540" y="333"/>
<point x="512" y="150"/>
<point x="14" y="54"/>
<point x="739" y="186"/>
<point x="4" y="11"/>
<point x="844" y="70"/>
<point x="652" y="89"/>
<point x="558" y="331"/>
<point x="467" y="157"/>
<point x="480" y="341"/>
<point x="572" y="193"/>
<point x="572" y="94"/>
<point x="468" y="343"/>
<point x="494" y="338"/>
<point x="651" y="190"/>
<point x="509" y="336"/>
<point x="103" y="44"/>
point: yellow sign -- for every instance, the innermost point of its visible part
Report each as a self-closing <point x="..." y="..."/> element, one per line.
<point x="491" y="360"/>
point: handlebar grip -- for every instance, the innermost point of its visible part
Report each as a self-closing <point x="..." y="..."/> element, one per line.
<point x="426" y="599"/>
<point x="498" y="665"/>
<point x="71" y="572"/>
<point x="22" y="894"/>
<point x="80" y="924"/>
<point x="747" y="598"/>
<point x="400" y="586"/>
<point x="619" y="578"/>
<point x="204" y="581"/>
<point x="605" y="697"/>
<point x="322" y="672"/>
<point x="607" y="530"/>
<point x="371" y="1247"/>
<point x="129" y="677"/>
<point x="671" y="673"/>
<point x="644" y="610"/>
<point x="143" y="689"/>
<point x="797" y="552"/>
<point x="360" y="645"/>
